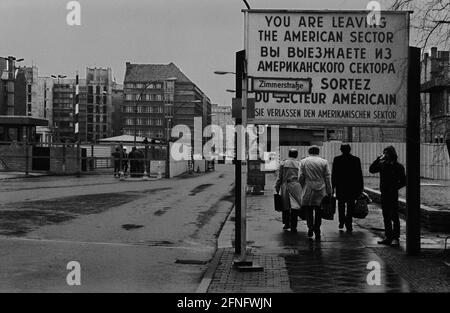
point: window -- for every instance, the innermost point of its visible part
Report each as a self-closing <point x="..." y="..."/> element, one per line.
<point x="97" y="90"/>
<point x="158" y="98"/>
<point x="105" y="109"/>
<point x="90" y="109"/>
<point x="29" y="98"/>
<point x="29" y="88"/>
<point x="104" y="119"/>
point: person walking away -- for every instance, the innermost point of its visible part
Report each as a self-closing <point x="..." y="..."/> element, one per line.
<point x="125" y="161"/>
<point x="116" y="156"/>
<point x="347" y="180"/>
<point x="140" y="162"/>
<point x="315" y="179"/>
<point x="392" y="178"/>
<point x="134" y="164"/>
<point x="289" y="185"/>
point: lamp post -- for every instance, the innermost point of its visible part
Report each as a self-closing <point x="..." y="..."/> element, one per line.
<point x="240" y="165"/>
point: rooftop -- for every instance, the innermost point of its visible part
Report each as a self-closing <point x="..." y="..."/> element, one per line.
<point x="153" y="72"/>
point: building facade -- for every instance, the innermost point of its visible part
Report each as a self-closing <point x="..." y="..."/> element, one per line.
<point x="96" y="107"/>
<point x="159" y="96"/>
<point x="435" y="88"/>
<point x="117" y="103"/>
<point x="63" y="108"/>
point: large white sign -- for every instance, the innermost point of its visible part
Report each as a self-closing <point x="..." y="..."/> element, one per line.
<point x="358" y="71"/>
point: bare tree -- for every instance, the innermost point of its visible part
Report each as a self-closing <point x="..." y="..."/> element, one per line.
<point x="430" y="21"/>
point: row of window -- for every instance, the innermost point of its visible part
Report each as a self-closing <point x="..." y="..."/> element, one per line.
<point x="98" y="90"/>
<point x="98" y="119"/>
<point x="90" y="128"/>
<point x="168" y="85"/>
<point x="144" y="121"/>
<point x="142" y="109"/>
<point x="149" y="97"/>
<point x="144" y="133"/>
<point x="98" y="99"/>
<point x="104" y="109"/>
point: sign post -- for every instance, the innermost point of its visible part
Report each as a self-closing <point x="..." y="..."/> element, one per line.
<point x="413" y="155"/>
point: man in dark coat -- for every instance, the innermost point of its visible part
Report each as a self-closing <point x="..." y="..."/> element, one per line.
<point x="392" y="178"/>
<point x="134" y="163"/>
<point x="116" y="156"/>
<point x="347" y="180"/>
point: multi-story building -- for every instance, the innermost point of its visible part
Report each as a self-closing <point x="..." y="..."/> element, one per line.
<point x="96" y="107"/>
<point x="221" y="115"/>
<point x="15" y="124"/>
<point x="158" y="96"/>
<point x="39" y="100"/>
<point x="435" y="88"/>
<point x="12" y="88"/>
<point x="63" y="108"/>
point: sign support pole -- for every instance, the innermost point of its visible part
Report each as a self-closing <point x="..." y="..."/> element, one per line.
<point x="413" y="155"/>
<point x="240" y="56"/>
<point x="243" y="146"/>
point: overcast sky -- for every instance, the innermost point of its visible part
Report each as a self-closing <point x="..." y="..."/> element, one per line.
<point x="199" y="36"/>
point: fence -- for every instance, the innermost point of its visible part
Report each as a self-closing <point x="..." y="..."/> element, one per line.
<point x="70" y="158"/>
<point x="434" y="158"/>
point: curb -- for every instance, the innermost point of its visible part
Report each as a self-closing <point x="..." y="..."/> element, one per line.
<point x="212" y="267"/>
<point x="209" y="274"/>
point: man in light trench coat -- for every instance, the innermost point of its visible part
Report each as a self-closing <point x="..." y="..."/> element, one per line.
<point x="289" y="185"/>
<point x="315" y="179"/>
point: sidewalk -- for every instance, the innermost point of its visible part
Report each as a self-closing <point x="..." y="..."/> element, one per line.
<point x="338" y="263"/>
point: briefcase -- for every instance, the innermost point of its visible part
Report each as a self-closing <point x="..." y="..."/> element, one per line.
<point x="361" y="208"/>
<point x="328" y="208"/>
<point x="278" y="203"/>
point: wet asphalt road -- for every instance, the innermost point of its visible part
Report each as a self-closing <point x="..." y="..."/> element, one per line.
<point x="128" y="236"/>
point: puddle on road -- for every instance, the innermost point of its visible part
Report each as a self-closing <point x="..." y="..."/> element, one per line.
<point x="199" y="189"/>
<point x="162" y="211"/>
<point x="17" y="219"/>
<point x="131" y="226"/>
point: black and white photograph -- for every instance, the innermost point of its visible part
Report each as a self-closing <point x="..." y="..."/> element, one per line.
<point x="225" y="155"/>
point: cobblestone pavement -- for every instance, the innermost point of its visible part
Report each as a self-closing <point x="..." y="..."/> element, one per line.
<point x="293" y="262"/>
